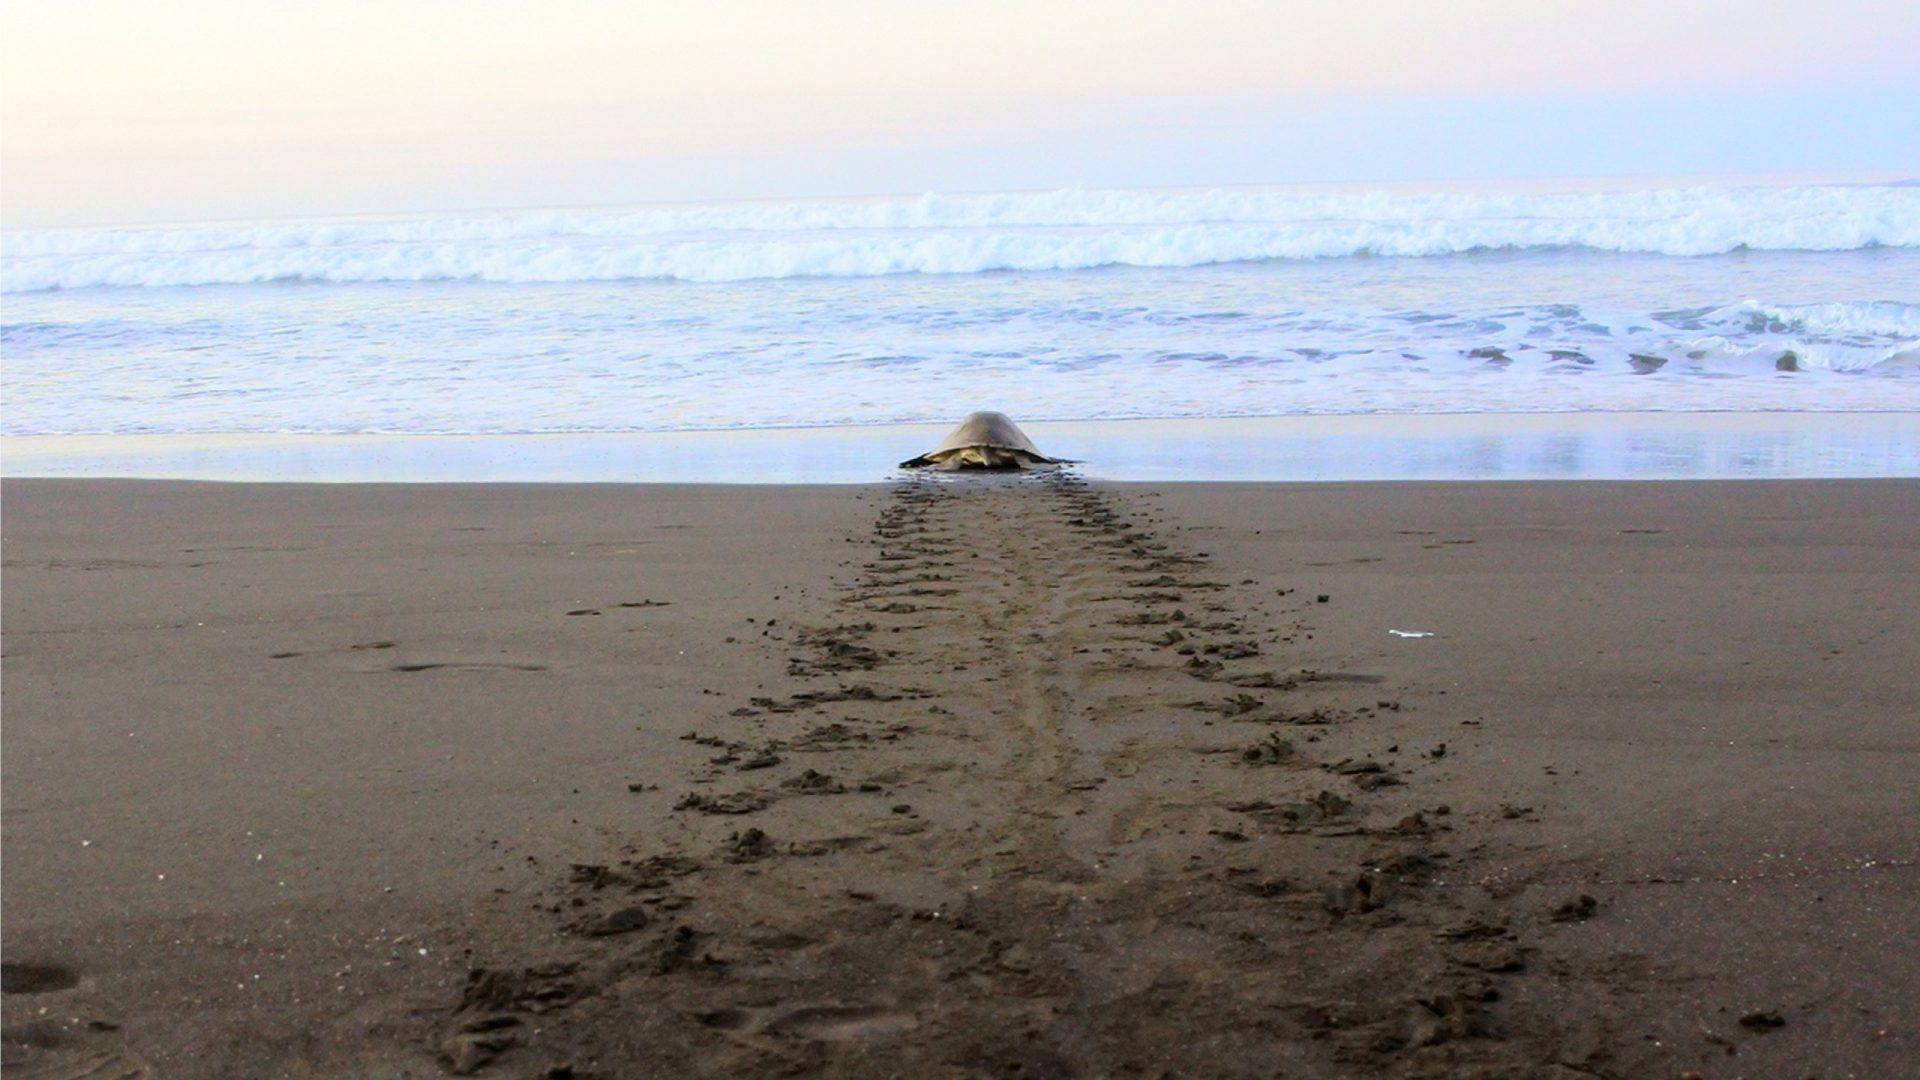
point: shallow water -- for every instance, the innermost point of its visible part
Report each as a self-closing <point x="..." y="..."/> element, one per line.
<point x="1559" y="446"/>
<point x="1068" y="305"/>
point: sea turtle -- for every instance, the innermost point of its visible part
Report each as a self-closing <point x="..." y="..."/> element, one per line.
<point x="984" y="440"/>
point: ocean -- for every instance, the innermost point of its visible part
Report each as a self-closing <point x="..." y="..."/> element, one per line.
<point x="1077" y="305"/>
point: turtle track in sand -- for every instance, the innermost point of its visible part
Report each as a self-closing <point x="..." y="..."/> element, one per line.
<point x="1042" y="797"/>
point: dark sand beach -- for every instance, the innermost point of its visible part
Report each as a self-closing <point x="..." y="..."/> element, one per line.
<point x="1017" y="777"/>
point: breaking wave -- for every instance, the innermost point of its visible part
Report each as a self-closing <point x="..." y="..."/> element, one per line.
<point x="961" y="234"/>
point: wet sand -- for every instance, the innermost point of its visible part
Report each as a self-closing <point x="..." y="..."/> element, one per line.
<point x="1371" y="447"/>
<point x="1007" y="778"/>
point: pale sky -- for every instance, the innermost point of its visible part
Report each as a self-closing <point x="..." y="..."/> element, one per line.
<point x="120" y="111"/>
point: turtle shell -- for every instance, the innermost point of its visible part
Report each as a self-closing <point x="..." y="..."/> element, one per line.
<point x="986" y="429"/>
<point x="984" y="440"/>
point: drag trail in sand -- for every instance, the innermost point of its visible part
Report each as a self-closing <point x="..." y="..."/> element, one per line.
<point x="1046" y="797"/>
<point x="965" y="776"/>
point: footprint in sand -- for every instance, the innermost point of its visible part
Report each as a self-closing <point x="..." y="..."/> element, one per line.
<point x="624" y="604"/>
<point x="26" y="977"/>
<point x="460" y="665"/>
<point x="41" y="1052"/>
<point x="365" y="646"/>
<point x="828" y="1023"/>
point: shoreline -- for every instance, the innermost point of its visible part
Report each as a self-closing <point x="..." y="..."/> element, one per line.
<point x="1358" y="447"/>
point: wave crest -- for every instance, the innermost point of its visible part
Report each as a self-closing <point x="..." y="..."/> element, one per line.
<point x="961" y="234"/>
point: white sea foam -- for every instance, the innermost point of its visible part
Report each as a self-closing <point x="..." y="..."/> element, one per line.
<point x="1880" y="318"/>
<point x="447" y="359"/>
<point x="962" y="234"/>
<point x="872" y="311"/>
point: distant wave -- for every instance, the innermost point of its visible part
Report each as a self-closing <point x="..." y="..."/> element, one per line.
<point x="960" y="234"/>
